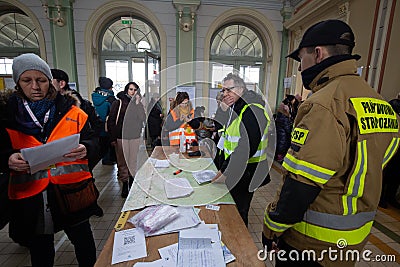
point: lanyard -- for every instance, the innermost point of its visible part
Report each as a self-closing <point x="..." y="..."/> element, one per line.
<point x="230" y="117"/>
<point x="35" y="120"/>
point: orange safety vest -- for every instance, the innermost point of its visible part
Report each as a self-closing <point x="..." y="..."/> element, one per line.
<point x="185" y="129"/>
<point x="23" y="184"/>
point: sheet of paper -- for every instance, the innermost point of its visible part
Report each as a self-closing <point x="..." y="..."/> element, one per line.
<point x="157" y="263"/>
<point x="169" y="253"/>
<point x="128" y="245"/>
<point x="204" y="176"/>
<point x="188" y="217"/>
<point x="177" y="187"/>
<point x="162" y="163"/>
<point x="41" y="157"/>
<point x="201" y="231"/>
<point x="228" y="256"/>
<point x="195" y="252"/>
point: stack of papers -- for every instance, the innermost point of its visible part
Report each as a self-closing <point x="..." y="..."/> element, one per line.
<point x="177" y="187"/>
<point x="200" y="246"/>
<point x="204" y="176"/>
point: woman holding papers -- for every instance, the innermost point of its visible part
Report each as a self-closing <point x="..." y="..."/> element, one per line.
<point x="125" y="123"/>
<point x="37" y="114"/>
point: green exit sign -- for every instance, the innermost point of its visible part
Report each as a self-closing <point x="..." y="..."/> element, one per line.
<point x="126" y="20"/>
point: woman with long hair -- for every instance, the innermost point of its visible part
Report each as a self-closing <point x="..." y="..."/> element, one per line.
<point x="125" y="125"/>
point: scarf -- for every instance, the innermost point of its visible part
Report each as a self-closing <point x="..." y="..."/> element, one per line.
<point x="25" y="123"/>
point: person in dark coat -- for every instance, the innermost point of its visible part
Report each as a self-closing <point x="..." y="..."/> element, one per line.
<point x="103" y="97"/>
<point x="284" y="123"/>
<point x="155" y="120"/>
<point x="244" y="162"/>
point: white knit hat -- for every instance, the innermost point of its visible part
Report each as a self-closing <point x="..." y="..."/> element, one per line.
<point x="29" y="61"/>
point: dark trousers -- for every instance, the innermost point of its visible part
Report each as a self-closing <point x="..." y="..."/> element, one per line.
<point x="242" y="197"/>
<point x="107" y="150"/>
<point x="42" y="247"/>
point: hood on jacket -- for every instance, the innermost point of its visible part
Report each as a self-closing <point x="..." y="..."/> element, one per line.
<point x="99" y="98"/>
<point x="122" y="95"/>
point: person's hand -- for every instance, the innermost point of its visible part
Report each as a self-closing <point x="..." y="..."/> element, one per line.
<point x="79" y="153"/>
<point x="227" y="101"/>
<point x="269" y="244"/>
<point x="17" y="163"/>
<point x="218" y="178"/>
<point x="182" y="118"/>
<point x="138" y="98"/>
<point x="113" y="143"/>
<point x="187" y="118"/>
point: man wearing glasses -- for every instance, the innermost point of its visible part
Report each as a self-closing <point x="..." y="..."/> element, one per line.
<point x="243" y="141"/>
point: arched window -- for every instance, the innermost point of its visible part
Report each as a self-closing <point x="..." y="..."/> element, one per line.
<point x="237" y="46"/>
<point x="17" y="36"/>
<point x="130" y="50"/>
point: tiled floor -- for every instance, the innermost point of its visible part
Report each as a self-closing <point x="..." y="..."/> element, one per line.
<point x="384" y="240"/>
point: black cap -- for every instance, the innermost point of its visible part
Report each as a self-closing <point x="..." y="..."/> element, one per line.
<point x="328" y="32"/>
<point x="105" y="83"/>
<point x="60" y="75"/>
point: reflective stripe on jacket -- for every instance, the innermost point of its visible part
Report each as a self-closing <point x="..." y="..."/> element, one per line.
<point x="184" y="129"/>
<point x="23" y="185"/>
<point x="232" y="135"/>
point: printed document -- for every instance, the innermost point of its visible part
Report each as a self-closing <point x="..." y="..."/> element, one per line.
<point x="195" y="252"/>
<point x="42" y="157"/>
<point x="128" y="245"/>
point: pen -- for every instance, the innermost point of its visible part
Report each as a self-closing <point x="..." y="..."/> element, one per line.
<point x="177" y="172"/>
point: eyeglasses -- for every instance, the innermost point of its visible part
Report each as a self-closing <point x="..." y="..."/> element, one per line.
<point x="184" y="103"/>
<point x="227" y="89"/>
<point x="134" y="89"/>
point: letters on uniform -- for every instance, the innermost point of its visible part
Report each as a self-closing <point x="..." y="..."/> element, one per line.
<point x="299" y="136"/>
<point x="374" y="116"/>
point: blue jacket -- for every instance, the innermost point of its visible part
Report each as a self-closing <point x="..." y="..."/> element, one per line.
<point x="102" y="100"/>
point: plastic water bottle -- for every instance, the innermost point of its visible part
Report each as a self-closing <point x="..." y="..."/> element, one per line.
<point x="182" y="143"/>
